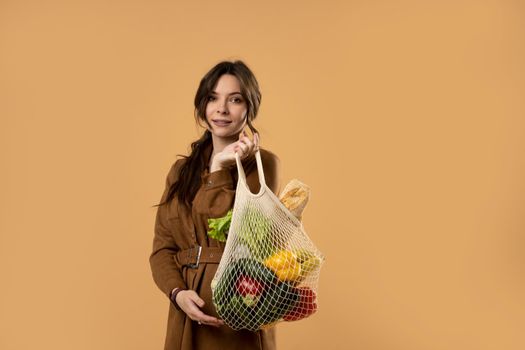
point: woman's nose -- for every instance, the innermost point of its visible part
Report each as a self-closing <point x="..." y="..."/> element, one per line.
<point x="222" y="108"/>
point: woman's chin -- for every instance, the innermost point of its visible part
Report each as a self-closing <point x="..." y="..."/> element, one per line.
<point x="225" y="134"/>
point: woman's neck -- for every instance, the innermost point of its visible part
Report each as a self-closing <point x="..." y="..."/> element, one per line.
<point x="219" y="143"/>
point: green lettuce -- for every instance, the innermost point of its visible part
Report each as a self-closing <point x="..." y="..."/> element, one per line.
<point x="256" y="233"/>
<point x="219" y="227"/>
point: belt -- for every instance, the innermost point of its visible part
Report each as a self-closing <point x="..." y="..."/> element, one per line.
<point x="192" y="257"/>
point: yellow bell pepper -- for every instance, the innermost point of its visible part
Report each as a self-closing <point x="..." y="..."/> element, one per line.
<point x="285" y="265"/>
<point x="308" y="260"/>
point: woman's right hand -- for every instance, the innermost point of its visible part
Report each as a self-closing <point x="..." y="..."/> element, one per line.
<point x="244" y="147"/>
<point x="190" y="303"/>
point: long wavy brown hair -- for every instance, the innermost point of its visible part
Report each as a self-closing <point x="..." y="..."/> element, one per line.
<point x="189" y="179"/>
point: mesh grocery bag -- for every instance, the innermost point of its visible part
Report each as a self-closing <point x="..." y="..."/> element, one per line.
<point x="269" y="270"/>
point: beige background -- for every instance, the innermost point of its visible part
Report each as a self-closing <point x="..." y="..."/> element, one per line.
<point x="405" y="117"/>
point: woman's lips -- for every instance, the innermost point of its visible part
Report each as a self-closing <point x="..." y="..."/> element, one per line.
<point x="221" y="123"/>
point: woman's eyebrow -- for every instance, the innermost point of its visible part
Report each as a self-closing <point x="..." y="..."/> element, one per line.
<point x="231" y="93"/>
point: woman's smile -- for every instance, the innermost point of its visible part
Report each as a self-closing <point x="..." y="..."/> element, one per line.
<point x="221" y="123"/>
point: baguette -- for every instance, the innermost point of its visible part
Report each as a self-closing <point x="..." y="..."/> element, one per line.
<point x="295" y="197"/>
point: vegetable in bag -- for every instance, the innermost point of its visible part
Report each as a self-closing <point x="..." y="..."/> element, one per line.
<point x="219" y="227"/>
<point x="255" y="233"/>
<point x="269" y="269"/>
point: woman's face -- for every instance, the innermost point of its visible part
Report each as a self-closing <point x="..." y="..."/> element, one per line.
<point x="226" y="109"/>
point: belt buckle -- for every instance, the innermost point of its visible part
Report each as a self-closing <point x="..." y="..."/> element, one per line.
<point x="194" y="266"/>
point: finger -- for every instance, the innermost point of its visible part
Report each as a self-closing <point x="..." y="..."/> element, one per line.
<point x="251" y="146"/>
<point x="197" y="315"/>
<point x="193" y="311"/>
<point x="207" y="319"/>
<point x="216" y="323"/>
<point x="196" y="299"/>
<point x="210" y="320"/>
<point x="244" y="134"/>
<point x="238" y="150"/>
<point x="243" y="147"/>
<point x="246" y="141"/>
<point x="256" y="138"/>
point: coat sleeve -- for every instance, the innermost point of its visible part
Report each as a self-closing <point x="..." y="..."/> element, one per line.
<point x="218" y="185"/>
<point x="165" y="271"/>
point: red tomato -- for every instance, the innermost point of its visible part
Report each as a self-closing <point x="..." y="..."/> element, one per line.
<point x="306" y="305"/>
<point x="246" y="285"/>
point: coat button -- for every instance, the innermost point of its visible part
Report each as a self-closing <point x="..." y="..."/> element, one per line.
<point x="210" y="183"/>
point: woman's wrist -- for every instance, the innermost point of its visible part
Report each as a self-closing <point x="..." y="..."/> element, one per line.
<point x="173" y="297"/>
<point x="217" y="164"/>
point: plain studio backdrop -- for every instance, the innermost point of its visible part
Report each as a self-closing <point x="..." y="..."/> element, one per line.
<point x="406" y="118"/>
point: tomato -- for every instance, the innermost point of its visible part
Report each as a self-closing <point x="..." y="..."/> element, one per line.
<point x="248" y="286"/>
<point x="305" y="306"/>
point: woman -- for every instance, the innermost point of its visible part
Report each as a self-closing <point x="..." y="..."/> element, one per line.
<point x="202" y="186"/>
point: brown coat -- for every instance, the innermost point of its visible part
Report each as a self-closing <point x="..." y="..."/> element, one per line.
<point x="177" y="228"/>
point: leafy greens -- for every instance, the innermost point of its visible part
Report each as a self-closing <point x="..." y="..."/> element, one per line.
<point x="219" y="227"/>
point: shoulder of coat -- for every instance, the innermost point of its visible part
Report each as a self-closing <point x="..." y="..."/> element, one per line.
<point x="268" y="156"/>
<point x="269" y="159"/>
<point x="173" y="174"/>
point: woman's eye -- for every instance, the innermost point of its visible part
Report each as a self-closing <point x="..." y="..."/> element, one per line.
<point x="211" y="98"/>
<point x="236" y="100"/>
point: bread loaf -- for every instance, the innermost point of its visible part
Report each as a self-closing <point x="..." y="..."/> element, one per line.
<point x="295" y="196"/>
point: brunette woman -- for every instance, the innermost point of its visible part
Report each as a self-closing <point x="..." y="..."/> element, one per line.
<point x="200" y="186"/>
